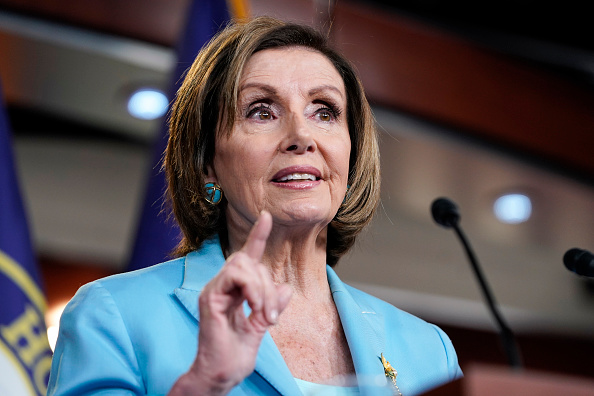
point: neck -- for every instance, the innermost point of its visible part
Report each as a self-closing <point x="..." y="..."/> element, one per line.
<point x="293" y="255"/>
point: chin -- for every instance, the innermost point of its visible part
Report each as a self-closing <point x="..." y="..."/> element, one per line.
<point x="302" y="214"/>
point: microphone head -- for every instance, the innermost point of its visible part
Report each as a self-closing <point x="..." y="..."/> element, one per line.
<point x="445" y="212"/>
<point x="579" y="261"/>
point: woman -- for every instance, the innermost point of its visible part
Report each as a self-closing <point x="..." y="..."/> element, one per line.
<point x="273" y="170"/>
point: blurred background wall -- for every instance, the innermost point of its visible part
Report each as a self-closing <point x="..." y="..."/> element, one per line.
<point x="475" y="101"/>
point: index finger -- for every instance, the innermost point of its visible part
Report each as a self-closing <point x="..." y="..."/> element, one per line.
<point x="256" y="240"/>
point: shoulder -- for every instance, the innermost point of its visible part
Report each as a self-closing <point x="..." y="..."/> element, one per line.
<point x="132" y="297"/>
<point x="128" y="294"/>
<point x="366" y="300"/>
<point x="120" y="327"/>
<point x="408" y="335"/>
<point x="167" y="275"/>
<point x="395" y="318"/>
<point x="155" y="280"/>
<point x="199" y="265"/>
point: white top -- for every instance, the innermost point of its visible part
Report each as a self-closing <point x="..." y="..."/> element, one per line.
<point x="313" y="389"/>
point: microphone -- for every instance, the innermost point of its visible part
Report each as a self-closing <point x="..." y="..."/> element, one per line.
<point x="446" y="214"/>
<point x="579" y="261"/>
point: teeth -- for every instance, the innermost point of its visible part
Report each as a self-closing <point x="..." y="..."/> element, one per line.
<point x="297" y="176"/>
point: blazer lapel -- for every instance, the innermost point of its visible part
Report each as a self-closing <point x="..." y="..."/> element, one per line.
<point x="199" y="268"/>
<point x="363" y="327"/>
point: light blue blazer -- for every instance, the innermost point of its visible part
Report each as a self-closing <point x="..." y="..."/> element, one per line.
<point x="136" y="333"/>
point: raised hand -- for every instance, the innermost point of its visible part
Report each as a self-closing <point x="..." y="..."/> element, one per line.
<point x="228" y="341"/>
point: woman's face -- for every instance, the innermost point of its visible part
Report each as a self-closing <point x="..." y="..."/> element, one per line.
<point x="289" y="149"/>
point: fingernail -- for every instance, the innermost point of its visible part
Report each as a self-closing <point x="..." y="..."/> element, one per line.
<point x="273" y="315"/>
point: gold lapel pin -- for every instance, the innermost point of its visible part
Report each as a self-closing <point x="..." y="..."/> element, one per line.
<point x="390" y="373"/>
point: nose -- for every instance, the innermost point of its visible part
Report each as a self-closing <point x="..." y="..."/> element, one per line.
<point x="298" y="138"/>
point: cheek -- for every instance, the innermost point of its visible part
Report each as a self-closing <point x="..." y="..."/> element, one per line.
<point x="339" y="157"/>
<point x="241" y="159"/>
<point x="230" y="154"/>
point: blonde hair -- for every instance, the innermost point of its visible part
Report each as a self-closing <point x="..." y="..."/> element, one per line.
<point x="206" y="105"/>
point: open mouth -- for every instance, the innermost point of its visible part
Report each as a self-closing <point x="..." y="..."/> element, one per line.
<point x="296" y="177"/>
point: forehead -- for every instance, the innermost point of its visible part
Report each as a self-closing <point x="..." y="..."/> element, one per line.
<point x="291" y="66"/>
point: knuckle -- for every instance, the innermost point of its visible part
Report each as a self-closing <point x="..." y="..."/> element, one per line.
<point x="237" y="259"/>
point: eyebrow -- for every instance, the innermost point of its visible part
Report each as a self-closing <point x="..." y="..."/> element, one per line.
<point x="264" y="87"/>
<point x="325" y="87"/>
<point x="272" y="91"/>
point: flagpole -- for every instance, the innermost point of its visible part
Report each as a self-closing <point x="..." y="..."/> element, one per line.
<point x="239" y="9"/>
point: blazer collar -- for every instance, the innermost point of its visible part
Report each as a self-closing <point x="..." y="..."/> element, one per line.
<point x="200" y="266"/>
<point x="362" y="325"/>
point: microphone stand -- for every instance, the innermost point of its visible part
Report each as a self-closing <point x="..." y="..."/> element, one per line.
<point x="445" y="213"/>
<point x="506" y="335"/>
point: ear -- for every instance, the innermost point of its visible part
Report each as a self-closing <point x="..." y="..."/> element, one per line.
<point x="211" y="176"/>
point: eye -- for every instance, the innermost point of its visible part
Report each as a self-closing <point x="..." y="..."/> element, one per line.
<point x="261" y="112"/>
<point x="325" y="116"/>
<point x="264" y="114"/>
<point x="327" y="113"/>
<point x="326" y="110"/>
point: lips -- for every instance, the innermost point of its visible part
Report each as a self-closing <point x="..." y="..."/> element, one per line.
<point x="297" y="174"/>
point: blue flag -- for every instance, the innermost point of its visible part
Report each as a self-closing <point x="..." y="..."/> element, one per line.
<point x="25" y="355"/>
<point x="157" y="235"/>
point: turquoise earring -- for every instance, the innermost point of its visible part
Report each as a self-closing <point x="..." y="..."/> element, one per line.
<point x="214" y="194"/>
